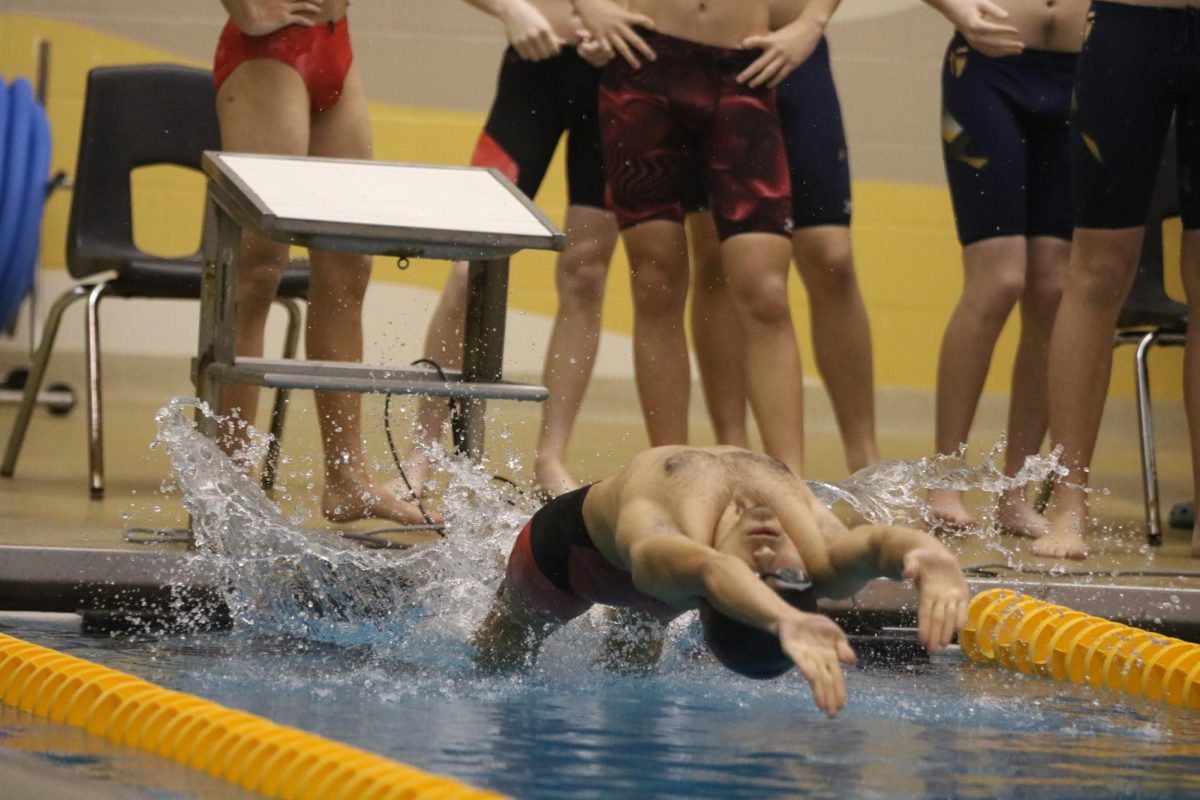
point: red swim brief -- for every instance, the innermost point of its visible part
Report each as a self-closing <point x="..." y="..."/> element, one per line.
<point x="321" y="54"/>
<point x="685" y="115"/>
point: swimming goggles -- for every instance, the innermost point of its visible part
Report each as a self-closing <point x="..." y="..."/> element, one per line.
<point x="786" y="580"/>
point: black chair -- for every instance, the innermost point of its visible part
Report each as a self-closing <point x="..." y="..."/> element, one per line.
<point x="1151" y="318"/>
<point x="134" y="116"/>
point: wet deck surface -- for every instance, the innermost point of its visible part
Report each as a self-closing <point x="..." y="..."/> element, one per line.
<point x="46" y="504"/>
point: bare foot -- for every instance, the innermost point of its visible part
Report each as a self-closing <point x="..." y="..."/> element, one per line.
<point x="1065" y="539"/>
<point x="347" y="502"/>
<point x="1015" y="515"/>
<point x="417" y="471"/>
<point x="947" y="513"/>
<point x="553" y="478"/>
<point x="404" y="487"/>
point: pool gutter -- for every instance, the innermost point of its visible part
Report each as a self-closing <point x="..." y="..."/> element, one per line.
<point x="84" y="579"/>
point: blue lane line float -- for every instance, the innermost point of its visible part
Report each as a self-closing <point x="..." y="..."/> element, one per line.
<point x="26" y="164"/>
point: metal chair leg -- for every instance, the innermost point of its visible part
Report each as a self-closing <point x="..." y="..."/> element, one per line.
<point x="279" y="409"/>
<point x="37" y="373"/>
<point x="1146" y="433"/>
<point x="94" y="410"/>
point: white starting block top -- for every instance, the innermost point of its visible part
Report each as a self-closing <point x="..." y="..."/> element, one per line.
<point x="380" y="207"/>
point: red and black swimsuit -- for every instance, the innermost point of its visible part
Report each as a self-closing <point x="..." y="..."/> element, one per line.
<point x="559" y="574"/>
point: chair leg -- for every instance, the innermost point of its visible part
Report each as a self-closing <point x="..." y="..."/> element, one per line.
<point x="37" y="373"/>
<point x="1146" y="433"/>
<point x="279" y="408"/>
<point x="94" y="411"/>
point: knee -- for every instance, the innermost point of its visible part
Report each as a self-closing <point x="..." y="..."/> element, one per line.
<point x="996" y="297"/>
<point x="1042" y="298"/>
<point x="582" y="276"/>
<point x="659" y="282"/>
<point x="257" y="283"/>
<point x="658" y="292"/>
<point x="1102" y="279"/>
<point x="828" y="272"/>
<point x="763" y="301"/>
<point x="340" y="278"/>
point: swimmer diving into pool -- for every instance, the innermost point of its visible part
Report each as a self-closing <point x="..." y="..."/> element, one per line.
<point x="729" y="532"/>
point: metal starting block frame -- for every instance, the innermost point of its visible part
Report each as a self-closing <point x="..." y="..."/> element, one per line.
<point x="373" y="208"/>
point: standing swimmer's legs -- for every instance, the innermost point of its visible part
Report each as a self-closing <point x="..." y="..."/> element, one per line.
<point x="1028" y="407"/>
<point x="658" y="269"/>
<point x="993" y="281"/>
<point x="841" y="335"/>
<point x="334" y="332"/>
<point x="757" y="273"/>
<point x="262" y="108"/>
<point x="717" y="333"/>
<point x="1102" y="267"/>
<point x="581" y="274"/>
<point x="1190" y="264"/>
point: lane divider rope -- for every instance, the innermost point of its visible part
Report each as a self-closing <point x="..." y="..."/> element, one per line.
<point x="1034" y="636"/>
<point x="242" y="748"/>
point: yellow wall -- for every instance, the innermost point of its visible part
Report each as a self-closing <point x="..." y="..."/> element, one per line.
<point x="904" y="242"/>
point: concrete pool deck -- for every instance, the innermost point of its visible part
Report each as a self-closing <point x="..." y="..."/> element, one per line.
<point x="62" y="551"/>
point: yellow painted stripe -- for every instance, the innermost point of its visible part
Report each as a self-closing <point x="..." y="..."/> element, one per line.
<point x="244" y="749"/>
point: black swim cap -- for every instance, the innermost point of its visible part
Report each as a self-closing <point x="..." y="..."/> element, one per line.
<point x="744" y="648"/>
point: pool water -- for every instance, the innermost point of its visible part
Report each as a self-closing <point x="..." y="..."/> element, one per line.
<point x="946" y="728"/>
<point x="373" y="648"/>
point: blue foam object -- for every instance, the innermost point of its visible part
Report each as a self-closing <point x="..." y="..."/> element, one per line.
<point x="3" y="135"/>
<point x="14" y="196"/>
<point x="24" y="256"/>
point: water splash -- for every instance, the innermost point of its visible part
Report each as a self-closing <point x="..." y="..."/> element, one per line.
<point x="280" y="578"/>
<point x="288" y="577"/>
<point x="893" y="492"/>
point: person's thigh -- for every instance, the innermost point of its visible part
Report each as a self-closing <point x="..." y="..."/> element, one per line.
<point x="1123" y="100"/>
<point x="647" y="154"/>
<point x="524" y="124"/>
<point x="815" y="137"/>
<point x="263" y="108"/>
<point x="746" y="169"/>
<point x="983" y="147"/>
<point x="343" y="131"/>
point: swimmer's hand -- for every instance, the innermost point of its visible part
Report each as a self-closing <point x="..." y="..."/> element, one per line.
<point x="260" y="17"/>
<point x="612" y="27"/>
<point x="819" y="648"/>
<point x="977" y="21"/>
<point x="943" y="594"/>
<point x="592" y="51"/>
<point x="782" y="51"/>
<point x="528" y="31"/>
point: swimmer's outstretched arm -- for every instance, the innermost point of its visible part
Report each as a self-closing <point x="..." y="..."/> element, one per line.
<point x="682" y="572"/>
<point x="260" y="17"/>
<point x="885" y="551"/>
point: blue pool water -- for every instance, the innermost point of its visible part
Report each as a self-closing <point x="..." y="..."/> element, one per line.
<point x="372" y="648"/>
<point x="948" y="728"/>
